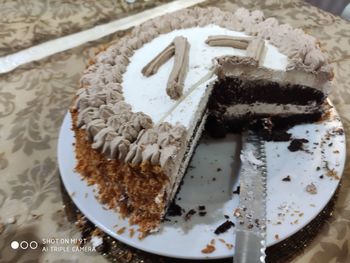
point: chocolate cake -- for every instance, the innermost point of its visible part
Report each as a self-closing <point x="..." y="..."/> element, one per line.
<point x="145" y="100"/>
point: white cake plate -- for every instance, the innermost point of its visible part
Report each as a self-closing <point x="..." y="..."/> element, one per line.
<point x="211" y="180"/>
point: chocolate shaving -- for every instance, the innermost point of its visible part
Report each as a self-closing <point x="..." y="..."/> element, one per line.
<point x="228" y="41"/>
<point x="177" y="76"/>
<point x="256" y="49"/>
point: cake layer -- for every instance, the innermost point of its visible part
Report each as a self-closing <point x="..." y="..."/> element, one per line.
<point x="219" y="127"/>
<point x="238" y="103"/>
<point x="234" y="90"/>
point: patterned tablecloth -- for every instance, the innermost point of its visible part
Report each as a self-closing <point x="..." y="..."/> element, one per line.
<point x="35" y="97"/>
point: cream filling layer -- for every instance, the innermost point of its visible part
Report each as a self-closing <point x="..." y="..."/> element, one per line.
<point x="268" y="108"/>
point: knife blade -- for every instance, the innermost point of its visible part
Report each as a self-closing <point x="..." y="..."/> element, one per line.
<point x="251" y="213"/>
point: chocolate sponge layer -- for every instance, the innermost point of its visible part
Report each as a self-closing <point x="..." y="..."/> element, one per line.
<point x="230" y="91"/>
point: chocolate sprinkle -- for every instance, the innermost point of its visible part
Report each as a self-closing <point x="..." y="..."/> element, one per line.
<point x="224" y="227"/>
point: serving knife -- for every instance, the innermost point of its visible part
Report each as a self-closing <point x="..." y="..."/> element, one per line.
<point x="251" y="213"/>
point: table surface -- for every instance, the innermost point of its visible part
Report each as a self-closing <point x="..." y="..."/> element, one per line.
<point x="35" y="97"/>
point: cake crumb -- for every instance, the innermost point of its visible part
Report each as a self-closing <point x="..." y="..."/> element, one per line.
<point x="131" y="232"/>
<point x="219" y="170"/>
<point x="208" y="249"/>
<point x="72" y="194"/>
<point x="201" y="207"/>
<point x="174" y="210"/>
<point x="202" y="213"/>
<point x="237" y="212"/>
<point x="121" y="230"/>
<point x="228" y="245"/>
<point x="286" y="179"/>
<point x="277" y="237"/>
<point x="332" y="173"/>
<point x="86" y="195"/>
<point x="222" y="241"/>
<point x="297" y="145"/>
<point x="301" y="214"/>
<point x="311" y="189"/>
<point x="339" y="131"/>
<point x="141" y="236"/>
<point x="189" y="214"/>
<point x="224" y="227"/>
<point x="237" y="191"/>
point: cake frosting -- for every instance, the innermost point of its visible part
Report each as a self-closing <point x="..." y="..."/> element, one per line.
<point x="288" y="50"/>
<point x="144" y="98"/>
<point x="201" y="61"/>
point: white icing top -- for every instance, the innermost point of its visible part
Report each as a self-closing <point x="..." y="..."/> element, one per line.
<point x="147" y="125"/>
<point x="148" y="94"/>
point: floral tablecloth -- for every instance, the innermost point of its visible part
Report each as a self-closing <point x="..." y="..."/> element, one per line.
<point x="35" y="97"/>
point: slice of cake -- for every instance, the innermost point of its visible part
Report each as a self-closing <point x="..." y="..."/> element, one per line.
<point x="144" y="101"/>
